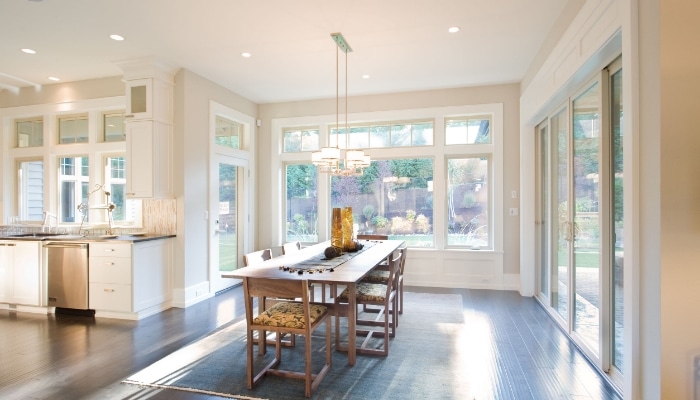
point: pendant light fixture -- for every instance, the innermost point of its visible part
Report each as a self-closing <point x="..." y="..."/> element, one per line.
<point x="328" y="159"/>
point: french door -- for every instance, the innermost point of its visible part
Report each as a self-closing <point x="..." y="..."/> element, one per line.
<point x="580" y="218"/>
<point x="226" y="219"/>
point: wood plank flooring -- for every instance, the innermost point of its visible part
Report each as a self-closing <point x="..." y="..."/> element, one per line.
<point x="511" y="348"/>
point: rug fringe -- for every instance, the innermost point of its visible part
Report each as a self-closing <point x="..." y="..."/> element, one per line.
<point x="194" y="390"/>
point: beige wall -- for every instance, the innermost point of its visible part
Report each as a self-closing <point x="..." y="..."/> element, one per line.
<point x="63" y="92"/>
<point x="680" y="197"/>
<point x="506" y="94"/>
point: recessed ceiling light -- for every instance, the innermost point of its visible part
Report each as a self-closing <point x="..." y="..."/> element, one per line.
<point x="453" y="29"/>
<point x="117" y="37"/>
<point x="245" y="54"/>
<point x="53" y="78"/>
<point x="29" y="51"/>
<point x="365" y="76"/>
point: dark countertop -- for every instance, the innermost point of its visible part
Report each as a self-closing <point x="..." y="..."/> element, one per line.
<point x="91" y="238"/>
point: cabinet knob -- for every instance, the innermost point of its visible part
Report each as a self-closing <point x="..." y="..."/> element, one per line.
<point x="109" y="263"/>
<point x="109" y="290"/>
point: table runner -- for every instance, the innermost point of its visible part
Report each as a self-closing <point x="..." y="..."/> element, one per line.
<point x="319" y="263"/>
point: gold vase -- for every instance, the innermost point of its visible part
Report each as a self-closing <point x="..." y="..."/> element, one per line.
<point x="337" y="229"/>
<point x="348" y="243"/>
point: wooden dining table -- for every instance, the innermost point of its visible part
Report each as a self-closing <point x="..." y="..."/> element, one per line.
<point x="348" y="273"/>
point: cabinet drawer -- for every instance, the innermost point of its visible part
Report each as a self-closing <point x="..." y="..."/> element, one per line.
<point x="110" y="270"/>
<point x="110" y="297"/>
<point x="110" y="250"/>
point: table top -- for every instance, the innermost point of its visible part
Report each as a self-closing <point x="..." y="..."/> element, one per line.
<point x="352" y="270"/>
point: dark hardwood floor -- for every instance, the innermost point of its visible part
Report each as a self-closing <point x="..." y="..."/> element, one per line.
<point x="71" y="357"/>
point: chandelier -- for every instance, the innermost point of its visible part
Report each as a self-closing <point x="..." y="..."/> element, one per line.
<point x="328" y="159"/>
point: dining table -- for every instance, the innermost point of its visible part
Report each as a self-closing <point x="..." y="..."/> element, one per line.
<point x="310" y="264"/>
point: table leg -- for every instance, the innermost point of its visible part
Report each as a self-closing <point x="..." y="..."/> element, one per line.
<point x="352" y="333"/>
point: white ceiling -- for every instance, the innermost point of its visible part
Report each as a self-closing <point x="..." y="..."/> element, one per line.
<point x="403" y="45"/>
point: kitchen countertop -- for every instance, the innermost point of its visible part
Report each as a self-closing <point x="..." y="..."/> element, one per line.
<point x="91" y="238"/>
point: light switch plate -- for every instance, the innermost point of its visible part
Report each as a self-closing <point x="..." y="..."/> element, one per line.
<point x="513" y="211"/>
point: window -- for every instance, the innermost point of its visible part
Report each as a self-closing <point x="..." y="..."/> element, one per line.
<point x="73" y="186"/>
<point x="392" y="197"/>
<point x="113" y="127"/>
<point x="73" y="129"/>
<point x="383" y="135"/>
<point x="467" y="130"/>
<point x="468" y="202"/>
<point x="302" y="203"/>
<point x="126" y="210"/>
<point x="30" y="133"/>
<point x="228" y="133"/>
<point x="302" y="139"/>
<point x="407" y="176"/>
<point x="30" y="190"/>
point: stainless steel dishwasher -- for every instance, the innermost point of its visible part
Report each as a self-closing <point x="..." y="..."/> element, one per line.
<point x="67" y="274"/>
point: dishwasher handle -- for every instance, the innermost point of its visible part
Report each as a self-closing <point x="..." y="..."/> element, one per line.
<point x="66" y="245"/>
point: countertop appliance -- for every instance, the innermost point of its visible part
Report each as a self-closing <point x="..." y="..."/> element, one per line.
<point x="67" y="274"/>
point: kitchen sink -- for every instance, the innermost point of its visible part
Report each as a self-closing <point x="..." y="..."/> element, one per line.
<point x="44" y="235"/>
<point x="37" y="234"/>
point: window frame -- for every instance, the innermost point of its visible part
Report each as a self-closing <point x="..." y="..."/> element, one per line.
<point x="439" y="151"/>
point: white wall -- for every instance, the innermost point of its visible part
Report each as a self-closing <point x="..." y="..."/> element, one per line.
<point x="193" y="95"/>
<point x="428" y="267"/>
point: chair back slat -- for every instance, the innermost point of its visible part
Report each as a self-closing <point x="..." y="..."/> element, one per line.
<point x="277" y="288"/>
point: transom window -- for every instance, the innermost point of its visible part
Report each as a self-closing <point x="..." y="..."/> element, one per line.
<point x="73" y="129"/>
<point x="30" y="132"/>
<point x="468" y="130"/>
<point x="113" y="127"/>
<point x="401" y="134"/>
<point x="228" y="133"/>
<point x="300" y="139"/>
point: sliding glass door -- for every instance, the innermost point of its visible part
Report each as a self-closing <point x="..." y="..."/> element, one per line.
<point x="580" y="218"/>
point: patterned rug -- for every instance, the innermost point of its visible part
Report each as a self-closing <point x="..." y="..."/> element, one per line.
<point x="415" y="368"/>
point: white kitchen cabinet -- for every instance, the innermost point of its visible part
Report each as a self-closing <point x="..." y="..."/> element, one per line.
<point x="109" y="276"/>
<point x="130" y="280"/>
<point x="149" y="159"/>
<point x="6" y="270"/>
<point x="139" y="99"/>
<point x="149" y="99"/>
<point x="21" y="277"/>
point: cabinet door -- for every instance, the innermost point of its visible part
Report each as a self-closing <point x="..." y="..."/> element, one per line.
<point x="27" y="277"/>
<point x="139" y="99"/>
<point x="110" y="297"/>
<point x="152" y="277"/>
<point x="6" y="263"/>
<point x="139" y="159"/>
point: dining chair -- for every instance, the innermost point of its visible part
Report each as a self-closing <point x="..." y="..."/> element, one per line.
<point x="251" y="260"/>
<point x="380" y="274"/>
<point x="372" y="237"/>
<point x="376" y="294"/>
<point x="256" y="257"/>
<point x="291" y="247"/>
<point x="294" y="317"/>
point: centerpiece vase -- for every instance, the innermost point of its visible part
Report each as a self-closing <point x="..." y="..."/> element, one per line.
<point x="348" y="242"/>
<point x="337" y="229"/>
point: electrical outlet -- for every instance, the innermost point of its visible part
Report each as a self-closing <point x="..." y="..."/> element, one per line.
<point x="513" y="211"/>
<point x="514" y="194"/>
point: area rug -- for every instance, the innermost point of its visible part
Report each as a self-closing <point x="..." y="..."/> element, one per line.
<point x="418" y="365"/>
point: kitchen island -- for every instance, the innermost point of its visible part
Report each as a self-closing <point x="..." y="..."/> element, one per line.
<point x="128" y="276"/>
